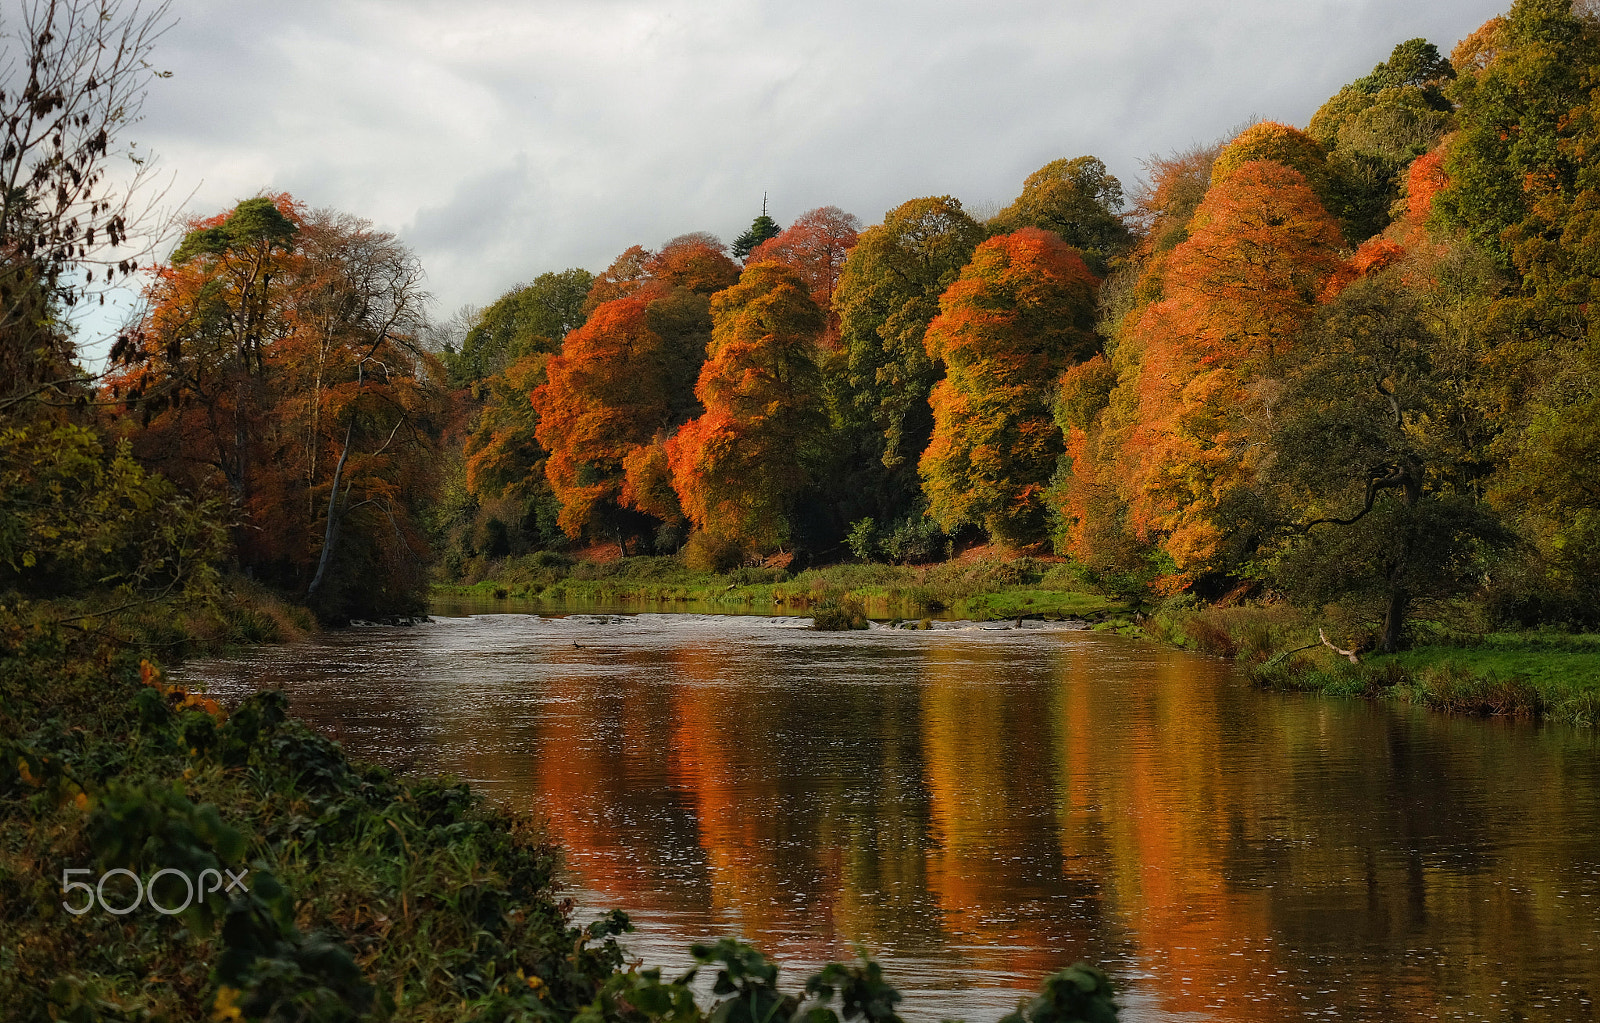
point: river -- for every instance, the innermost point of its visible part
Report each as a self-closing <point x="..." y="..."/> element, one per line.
<point x="979" y="807"/>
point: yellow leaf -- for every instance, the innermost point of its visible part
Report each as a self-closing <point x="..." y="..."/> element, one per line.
<point x="224" y="1007"/>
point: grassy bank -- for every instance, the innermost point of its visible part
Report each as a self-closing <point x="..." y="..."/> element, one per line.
<point x="364" y="895"/>
<point x="979" y="589"/>
<point x="1546" y="675"/>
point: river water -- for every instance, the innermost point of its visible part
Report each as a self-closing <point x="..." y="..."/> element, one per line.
<point x="980" y="807"/>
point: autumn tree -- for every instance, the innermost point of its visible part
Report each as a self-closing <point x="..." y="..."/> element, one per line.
<point x="1164" y="202"/>
<point x="1235" y="296"/>
<point x="216" y="309"/>
<point x="280" y="363"/>
<point x="697" y="261"/>
<point x="815" y="247"/>
<point x="620" y="379"/>
<point x="738" y="468"/>
<point x="503" y="455"/>
<point x="1080" y="201"/>
<point x="1513" y="157"/>
<point x="1020" y="313"/>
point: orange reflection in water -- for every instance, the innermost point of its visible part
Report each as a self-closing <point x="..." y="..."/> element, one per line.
<point x="772" y="887"/>
<point x="985" y="748"/>
<point x="1154" y="807"/>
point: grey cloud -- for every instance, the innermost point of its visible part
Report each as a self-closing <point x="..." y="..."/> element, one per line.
<point x="502" y="140"/>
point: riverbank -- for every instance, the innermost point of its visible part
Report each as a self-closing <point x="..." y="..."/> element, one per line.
<point x="1544" y="675"/>
<point x="983" y="589"/>
<point x="361" y="894"/>
<point x="1537" y="674"/>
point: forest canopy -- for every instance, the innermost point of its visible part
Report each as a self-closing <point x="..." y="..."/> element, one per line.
<point x="1350" y="364"/>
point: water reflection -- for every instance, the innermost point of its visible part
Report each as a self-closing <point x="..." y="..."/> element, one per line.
<point x="980" y="808"/>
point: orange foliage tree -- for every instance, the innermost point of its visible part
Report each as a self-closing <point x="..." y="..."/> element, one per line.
<point x="626" y="377"/>
<point x="738" y="467"/>
<point x="279" y="364"/>
<point x="612" y="388"/>
<point x="1020" y="313"/>
<point x="1236" y="293"/>
<point x="695" y="261"/>
<point x="815" y="247"/>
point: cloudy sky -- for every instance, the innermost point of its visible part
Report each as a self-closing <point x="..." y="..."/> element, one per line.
<point x="502" y="139"/>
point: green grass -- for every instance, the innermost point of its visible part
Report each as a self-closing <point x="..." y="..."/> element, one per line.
<point x="1547" y="669"/>
<point x="983" y="590"/>
<point x="1536" y="675"/>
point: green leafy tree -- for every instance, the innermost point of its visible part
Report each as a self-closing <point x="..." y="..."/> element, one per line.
<point x="887" y="295"/>
<point x="1513" y="161"/>
<point x="1372" y="128"/>
<point x="1077" y="199"/>
<point x="1372" y="471"/>
<point x="526" y="320"/>
<point x="761" y="229"/>
<point x="1522" y="183"/>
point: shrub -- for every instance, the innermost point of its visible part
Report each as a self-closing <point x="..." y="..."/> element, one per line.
<point x="550" y="559"/>
<point x="862" y="539"/>
<point x="708" y="552"/>
<point x="839" y="613"/>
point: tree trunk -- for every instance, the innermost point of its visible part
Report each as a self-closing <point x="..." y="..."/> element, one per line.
<point x="330" y="532"/>
<point x="1394" y="618"/>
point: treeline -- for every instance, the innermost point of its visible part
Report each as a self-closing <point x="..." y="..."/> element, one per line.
<point x="1352" y="365"/>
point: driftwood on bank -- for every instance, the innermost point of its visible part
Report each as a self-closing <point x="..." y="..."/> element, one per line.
<point x="1350" y="654"/>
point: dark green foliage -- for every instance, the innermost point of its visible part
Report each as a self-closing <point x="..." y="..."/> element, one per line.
<point x="1078" y="994"/>
<point x="1514" y="115"/>
<point x="1080" y="201"/>
<point x="1369" y="494"/>
<point x="1416" y="63"/>
<point x="1375" y="126"/>
<point x="253" y="223"/>
<point x="862" y="540"/>
<point x="75" y="516"/>
<point x="746" y="984"/>
<point x="878" y="383"/>
<point x="527" y="319"/>
<point x="329" y="850"/>
<point x="761" y="229"/>
<point x="914" y="540"/>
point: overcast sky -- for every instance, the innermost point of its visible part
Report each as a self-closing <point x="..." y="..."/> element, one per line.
<point x="501" y="139"/>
